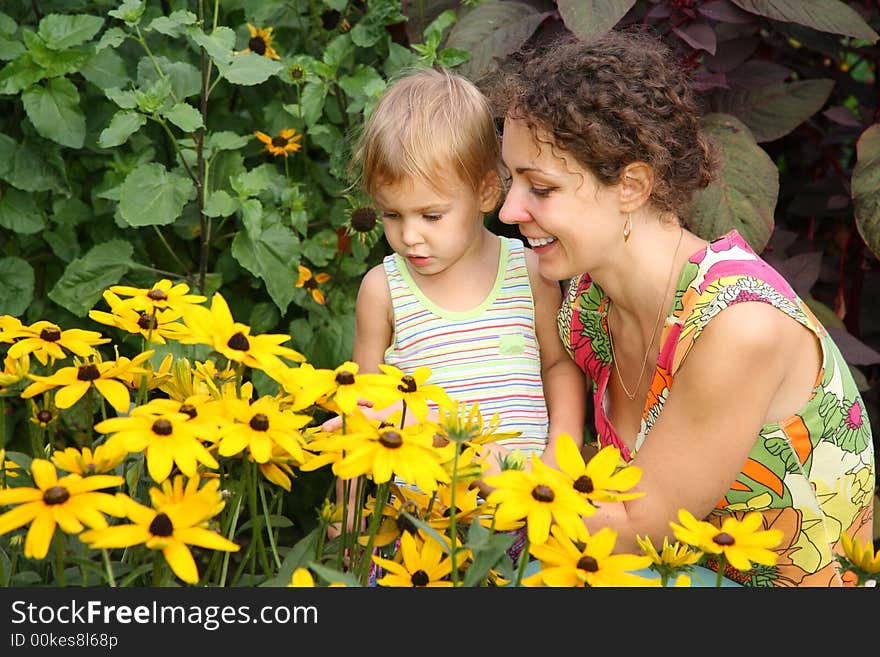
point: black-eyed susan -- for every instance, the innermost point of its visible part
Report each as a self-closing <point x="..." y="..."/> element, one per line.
<point x="286" y="141"/>
<point x="88" y="462"/>
<point x="673" y="558"/>
<point x="217" y="328"/>
<point x="411" y="389"/>
<point x="361" y="221"/>
<point x="205" y="413"/>
<point x="171" y="530"/>
<point x="43" y="417"/>
<point x="163" y="295"/>
<point x="70" y="503"/>
<point x="165" y="439"/>
<point x="260" y="42"/>
<point x="46" y="341"/>
<point x="860" y="559"/>
<point x="540" y="497"/>
<point x="107" y="377"/>
<point x="7" y="468"/>
<point x="154" y="325"/>
<point x="338" y="390"/>
<point x="586" y="564"/>
<point x="463" y="423"/>
<point x="180" y="490"/>
<point x="604" y="478"/>
<point x="424" y="563"/>
<point x="258" y="426"/>
<point x="740" y="542"/>
<point x="387" y="451"/>
<point x="310" y="283"/>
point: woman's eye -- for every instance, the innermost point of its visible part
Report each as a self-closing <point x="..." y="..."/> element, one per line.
<point x="541" y="191"/>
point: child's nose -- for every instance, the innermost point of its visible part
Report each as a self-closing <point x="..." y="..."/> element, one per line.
<point x="410" y="233"/>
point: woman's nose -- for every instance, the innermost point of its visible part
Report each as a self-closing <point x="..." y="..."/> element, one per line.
<point x="512" y="210"/>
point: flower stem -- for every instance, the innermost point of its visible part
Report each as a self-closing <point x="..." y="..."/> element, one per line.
<point x="523" y="560"/>
<point x="269" y="530"/>
<point x="256" y="521"/>
<point x="59" y="559"/>
<point x="719" y="576"/>
<point x="108" y="568"/>
<point x="382" y="494"/>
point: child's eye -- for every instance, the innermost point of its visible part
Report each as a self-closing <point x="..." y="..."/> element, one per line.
<point x="432" y="217"/>
<point x="390" y="215"/>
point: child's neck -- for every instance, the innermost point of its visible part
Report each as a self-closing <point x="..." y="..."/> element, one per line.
<point x="467" y="283"/>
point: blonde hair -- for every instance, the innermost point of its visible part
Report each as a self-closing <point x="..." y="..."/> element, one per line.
<point x="428" y="121"/>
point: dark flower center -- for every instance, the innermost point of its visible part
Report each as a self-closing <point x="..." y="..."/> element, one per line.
<point x="259" y="422"/>
<point x="50" y="334"/>
<point x="44" y="416"/>
<point x="279" y="142"/>
<point x="310" y="284"/>
<point x="88" y="372"/>
<point x="344" y="378"/>
<point x="257" y="45"/>
<point x="157" y="295"/>
<point x="543" y="493"/>
<point x="297" y="72"/>
<point x="148" y="322"/>
<point x="239" y="342"/>
<point x="162" y="427"/>
<point x="407" y="384"/>
<point x="588" y="563"/>
<point x="161" y="525"/>
<point x="583" y="484"/>
<point x="363" y="220"/>
<point x="723" y="538"/>
<point x="391" y="439"/>
<point x="420" y="578"/>
<point x="188" y="409"/>
<point x="56" y="495"/>
<point x="330" y="19"/>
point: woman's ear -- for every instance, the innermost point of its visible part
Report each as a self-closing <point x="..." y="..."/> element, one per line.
<point x="490" y="192"/>
<point x="635" y="187"/>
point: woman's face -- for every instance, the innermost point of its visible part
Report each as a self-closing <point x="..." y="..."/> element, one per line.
<point x="569" y="219"/>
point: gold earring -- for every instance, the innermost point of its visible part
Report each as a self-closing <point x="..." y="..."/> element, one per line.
<point x="627" y="227"/>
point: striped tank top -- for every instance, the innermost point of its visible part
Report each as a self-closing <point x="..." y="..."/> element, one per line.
<point x="487" y="355"/>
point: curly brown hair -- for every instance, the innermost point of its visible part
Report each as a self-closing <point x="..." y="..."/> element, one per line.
<point x="616" y="99"/>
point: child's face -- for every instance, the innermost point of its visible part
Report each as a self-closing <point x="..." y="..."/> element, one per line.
<point x="431" y="229"/>
<point x="571" y="221"/>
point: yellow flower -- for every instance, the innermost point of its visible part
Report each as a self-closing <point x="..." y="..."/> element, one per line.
<point x="258" y="426"/>
<point x="14" y="370"/>
<point x="260" y="42"/>
<point x="592" y="564"/>
<point x="69" y="503"/>
<point x="337" y="390"/>
<point x="381" y="452"/>
<point x="172" y="530"/>
<point x="46" y="340"/>
<point x="599" y="480"/>
<point x="423" y="565"/>
<point x="164" y="295"/>
<point x="671" y="560"/>
<point x="310" y="283"/>
<point x="302" y="577"/>
<point x="86" y="462"/>
<point x="464" y="423"/>
<point x="217" y="328"/>
<point x="539" y="497"/>
<point x="73" y="382"/>
<point x="286" y="141"/>
<point x="7" y="467"/>
<point x="412" y="390"/>
<point x="180" y="490"/>
<point x="165" y="438"/>
<point x="860" y="559"/>
<point x="741" y="542"/>
<point x="154" y="325"/>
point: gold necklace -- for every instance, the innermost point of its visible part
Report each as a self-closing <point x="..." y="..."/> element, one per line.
<point x="632" y="396"/>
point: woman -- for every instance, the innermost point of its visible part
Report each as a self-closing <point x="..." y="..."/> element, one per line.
<point x="603" y="145"/>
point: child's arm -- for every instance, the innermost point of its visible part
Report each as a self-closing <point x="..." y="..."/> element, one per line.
<point x="564" y="384"/>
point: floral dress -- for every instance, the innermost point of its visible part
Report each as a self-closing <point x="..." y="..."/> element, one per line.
<point x="811" y="475"/>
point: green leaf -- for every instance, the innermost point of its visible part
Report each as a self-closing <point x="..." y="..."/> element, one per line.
<point x="185" y="116"/>
<point x="60" y="31"/>
<point x="493" y="29"/>
<point x="86" y="278"/>
<point x="365" y="83"/>
<point x="226" y="140"/>
<point x="10" y="48"/>
<point x="7" y="152"/>
<point x="185" y="80"/>
<point x="125" y="98"/>
<point x="271" y="256"/>
<point x="220" y="204"/>
<point x="866" y="187"/>
<point x="823" y="15"/>
<point x="106" y="70"/>
<point x="122" y="126"/>
<point x="20" y="74"/>
<point x="774" y="110"/>
<point x="153" y="196"/>
<point x="249" y="68"/>
<point x="744" y="196"/>
<point x="129" y="11"/>
<point x="54" y="110"/>
<point x="218" y="44"/>
<point x="16" y="286"/>
<point x="312" y="101"/>
<point x="36" y="168"/>
<point x="19" y="212"/>
<point x="589" y="18"/>
<point x="55" y="62"/>
<point x="173" y="25"/>
<point x="327" y="136"/>
<point x="111" y="38"/>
